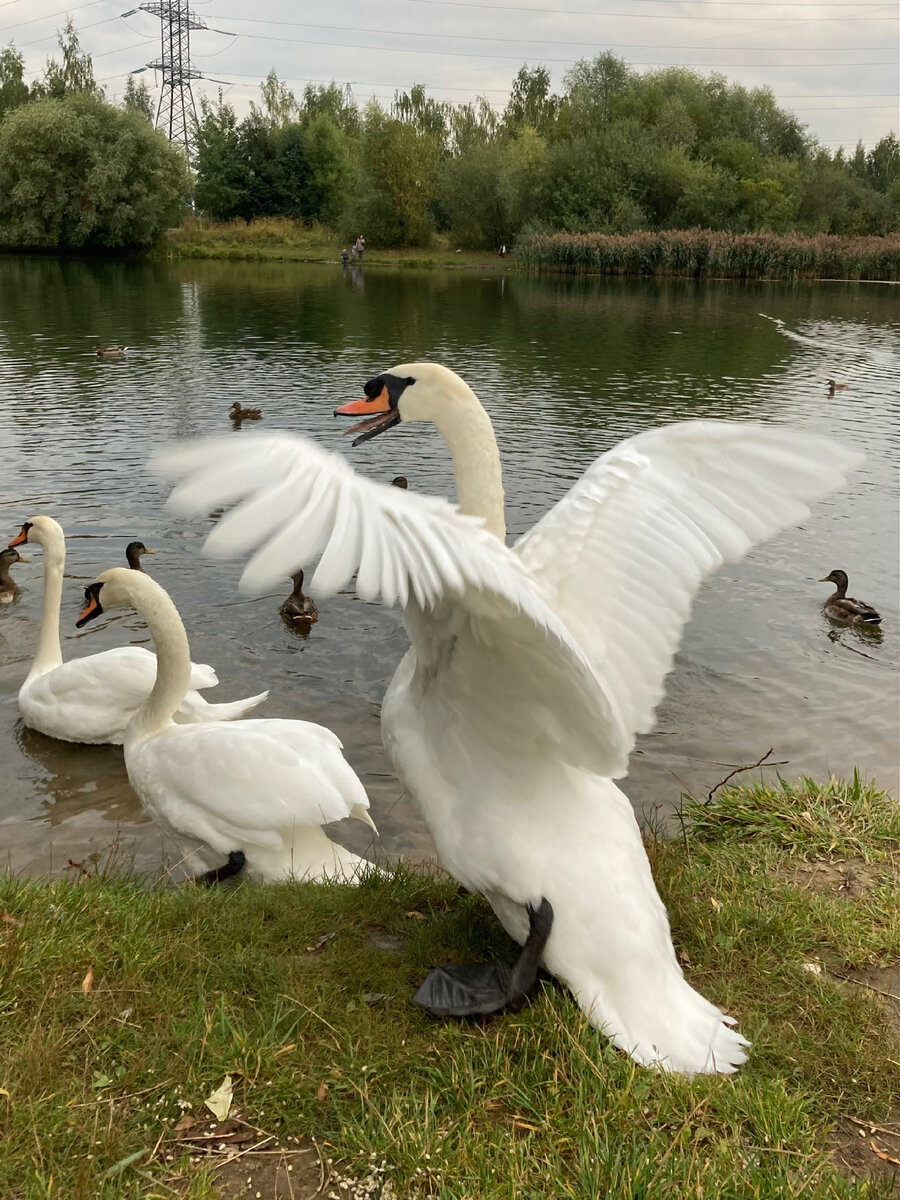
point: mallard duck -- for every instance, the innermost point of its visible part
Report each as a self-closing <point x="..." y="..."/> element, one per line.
<point x="244" y="414"/>
<point x="110" y="351"/>
<point x="298" y="607"/>
<point x="530" y="674"/>
<point x="133" y="552"/>
<point x="258" y="794"/>
<point x="841" y="607"/>
<point x="9" y="589"/>
<point x="400" y="481"/>
<point x="836" y="387"/>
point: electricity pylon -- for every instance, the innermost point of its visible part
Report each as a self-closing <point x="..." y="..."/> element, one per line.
<point x="176" y="109"/>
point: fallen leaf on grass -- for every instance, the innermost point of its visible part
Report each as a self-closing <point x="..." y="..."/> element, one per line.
<point x="185" y="1122"/>
<point x="322" y="1091"/>
<point x="717" y="904"/>
<point x="883" y="1154"/>
<point x="88" y="982"/>
<point x="416" y="916"/>
<point x="219" y="1102"/>
<point x="326" y="937"/>
<point x="813" y="968"/>
<point x="8" y="920"/>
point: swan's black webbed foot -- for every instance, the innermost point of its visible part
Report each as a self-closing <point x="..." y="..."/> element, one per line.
<point x="476" y="989"/>
<point x="234" y="866"/>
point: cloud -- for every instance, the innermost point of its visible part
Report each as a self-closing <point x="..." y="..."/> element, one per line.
<point x="834" y="65"/>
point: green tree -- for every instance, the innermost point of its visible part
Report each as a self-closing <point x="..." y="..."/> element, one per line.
<point x="137" y="98"/>
<point x="73" y="75"/>
<point x="13" y="89"/>
<point x="327" y="157"/>
<point x="530" y="102"/>
<point x="396" y="173"/>
<point x="279" y="103"/>
<point x="78" y="173"/>
<point x="220" y="182"/>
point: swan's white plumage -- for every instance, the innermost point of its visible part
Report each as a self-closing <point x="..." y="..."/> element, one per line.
<point x="403" y="547"/>
<point x="264" y="787"/>
<point x="622" y="555"/>
<point x="92" y="699"/>
<point x="531" y="670"/>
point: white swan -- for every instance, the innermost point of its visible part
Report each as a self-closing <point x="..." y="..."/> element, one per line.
<point x="531" y="670"/>
<point x="256" y="791"/>
<point x="92" y="699"/>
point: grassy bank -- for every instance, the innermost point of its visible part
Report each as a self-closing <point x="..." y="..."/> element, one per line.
<point x="125" y="1006"/>
<point x="704" y="253"/>
<point x="276" y="239"/>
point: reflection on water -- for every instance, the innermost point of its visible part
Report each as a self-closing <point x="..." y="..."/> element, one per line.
<point x="565" y="367"/>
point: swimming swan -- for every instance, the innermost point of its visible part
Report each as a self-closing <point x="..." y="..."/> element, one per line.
<point x="531" y="669"/>
<point x="92" y="699"/>
<point x="257" y="791"/>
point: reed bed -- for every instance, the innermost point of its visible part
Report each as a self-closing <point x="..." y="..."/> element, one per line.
<point x="707" y="253"/>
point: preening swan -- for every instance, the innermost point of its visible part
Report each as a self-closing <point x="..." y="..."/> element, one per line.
<point x="531" y="669"/>
<point x="841" y="607"/>
<point x="256" y="792"/>
<point x="92" y="699"/>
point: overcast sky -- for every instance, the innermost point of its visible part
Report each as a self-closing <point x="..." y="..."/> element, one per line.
<point x="835" y="65"/>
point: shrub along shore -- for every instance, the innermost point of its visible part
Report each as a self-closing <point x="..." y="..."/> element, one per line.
<point x="676" y="252"/>
<point x="126" y="1005"/>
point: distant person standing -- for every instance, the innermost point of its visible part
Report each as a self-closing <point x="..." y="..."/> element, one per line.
<point x="345" y="258"/>
<point x="360" y="246"/>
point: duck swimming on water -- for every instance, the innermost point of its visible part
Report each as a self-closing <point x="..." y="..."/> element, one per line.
<point x="298" y="607"/>
<point x="532" y="668"/>
<point x="133" y="552"/>
<point x="9" y="589"/>
<point x="244" y="414"/>
<point x="110" y="351"/>
<point x="841" y="607"/>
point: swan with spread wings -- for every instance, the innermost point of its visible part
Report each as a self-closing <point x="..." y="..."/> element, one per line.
<point x="532" y="668"/>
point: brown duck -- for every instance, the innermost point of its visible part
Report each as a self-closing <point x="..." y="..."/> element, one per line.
<point x="841" y="607"/>
<point x="9" y="589"/>
<point x="298" y="608"/>
<point x="244" y="414"/>
<point x="133" y="552"/>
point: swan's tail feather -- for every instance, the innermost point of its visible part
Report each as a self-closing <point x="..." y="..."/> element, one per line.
<point x="687" y="1034"/>
<point x="195" y="710"/>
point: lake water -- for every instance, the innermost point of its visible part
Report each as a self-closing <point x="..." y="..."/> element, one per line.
<point x="566" y="368"/>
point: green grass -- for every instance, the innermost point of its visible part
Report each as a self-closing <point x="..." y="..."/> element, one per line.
<point x="189" y="985"/>
<point x="276" y="239"/>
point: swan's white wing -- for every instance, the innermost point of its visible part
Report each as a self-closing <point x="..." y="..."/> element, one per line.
<point x="252" y="781"/>
<point x="298" y="501"/>
<point x="622" y="555"/>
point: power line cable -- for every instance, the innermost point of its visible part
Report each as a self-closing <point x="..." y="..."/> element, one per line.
<point x="568" y="12"/>
<point x="59" y="12"/>
<point x="470" y="37"/>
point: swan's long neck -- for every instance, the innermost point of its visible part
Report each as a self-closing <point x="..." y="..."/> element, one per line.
<point x="49" y="654"/>
<point x="469" y="434"/>
<point x="173" y="656"/>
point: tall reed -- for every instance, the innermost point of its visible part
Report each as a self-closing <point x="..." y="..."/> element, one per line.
<point x="707" y="253"/>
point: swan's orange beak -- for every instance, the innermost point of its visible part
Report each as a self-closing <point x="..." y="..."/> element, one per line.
<point x="378" y="411"/>
<point x="93" y="608"/>
<point x="20" y="538"/>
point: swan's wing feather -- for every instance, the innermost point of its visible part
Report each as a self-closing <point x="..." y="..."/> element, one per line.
<point x="298" y="502"/>
<point x="623" y="554"/>
<point x="254" y="779"/>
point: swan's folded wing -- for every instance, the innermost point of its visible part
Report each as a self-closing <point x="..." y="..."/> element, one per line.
<point x="296" y="502"/>
<point x="254" y="779"/>
<point x="622" y="555"/>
